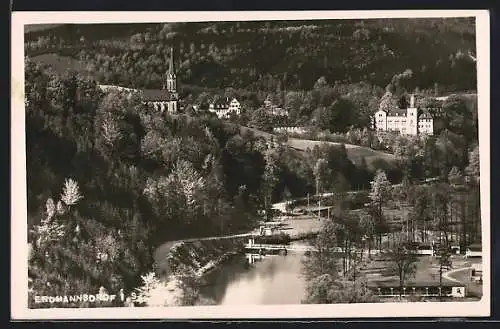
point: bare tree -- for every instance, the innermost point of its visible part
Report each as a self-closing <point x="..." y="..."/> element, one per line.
<point x="320" y="169"/>
<point x="270" y="179"/>
<point x="379" y="194"/>
<point x="325" y="259"/>
<point x="368" y="226"/>
<point x="403" y="257"/>
<point x="110" y="130"/>
<point x="71" y="192"/>
<point x="444" y="256"/>
<point x="153" y="292"/>
<point x="50" y="208"/>
<point x="472" y="169"/>
<point x="49" y="230"/>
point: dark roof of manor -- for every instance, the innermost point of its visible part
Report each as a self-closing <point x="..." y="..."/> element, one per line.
<point x="425" y="115"/>
<point x="158" y="95"/>
<point x="397" y="112"/>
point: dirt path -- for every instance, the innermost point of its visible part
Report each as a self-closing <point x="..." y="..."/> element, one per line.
<point x="462" y="276"/>
<point x="448" y="274"/>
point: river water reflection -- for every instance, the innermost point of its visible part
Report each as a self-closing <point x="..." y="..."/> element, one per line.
<point x="275" y="279"/>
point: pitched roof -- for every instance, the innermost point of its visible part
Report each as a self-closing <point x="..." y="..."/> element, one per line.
<point x="221" y="101"/>
<point x="425" y="115"/>
<point x="157" y="95"/>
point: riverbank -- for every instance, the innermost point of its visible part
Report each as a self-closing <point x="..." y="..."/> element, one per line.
<point x="272" y="280"/>
<point x="199" y="256"/>
<point x="206" y="258"/>
<point x="204" y="253"/>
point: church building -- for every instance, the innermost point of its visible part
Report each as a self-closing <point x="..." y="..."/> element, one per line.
<point x="167" y="98"/>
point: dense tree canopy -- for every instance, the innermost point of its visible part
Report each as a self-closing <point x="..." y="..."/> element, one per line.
<point x="288" y="55"/>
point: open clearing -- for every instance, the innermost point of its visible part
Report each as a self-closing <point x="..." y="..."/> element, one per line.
<point x="302" y="225"/>
<point x="354" y="152"/>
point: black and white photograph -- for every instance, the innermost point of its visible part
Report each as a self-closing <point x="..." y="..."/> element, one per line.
<point x="250" y="164"/>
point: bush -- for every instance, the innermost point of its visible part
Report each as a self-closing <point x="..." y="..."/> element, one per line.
<point x="358" y="200"/>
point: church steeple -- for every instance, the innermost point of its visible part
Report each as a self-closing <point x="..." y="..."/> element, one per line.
<point x="171" y="66"/>
<point x="171" y="77"/>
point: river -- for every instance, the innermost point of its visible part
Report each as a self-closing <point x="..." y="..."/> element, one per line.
<point x="275" y="279"/>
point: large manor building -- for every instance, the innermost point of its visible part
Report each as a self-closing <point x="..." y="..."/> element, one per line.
<point x="409" y="121"/>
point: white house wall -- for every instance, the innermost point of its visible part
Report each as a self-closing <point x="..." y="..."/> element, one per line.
<point x="408" y="124"/>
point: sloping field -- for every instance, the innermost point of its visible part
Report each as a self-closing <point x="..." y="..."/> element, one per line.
<point x="39" y="27"/>
<point x="257" y="132"/>
<point x="355" y="152"/>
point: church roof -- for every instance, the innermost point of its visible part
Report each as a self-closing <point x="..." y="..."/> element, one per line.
<point x="157" y="95"/>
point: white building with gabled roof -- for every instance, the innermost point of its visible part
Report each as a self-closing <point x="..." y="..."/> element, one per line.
<point x="409" y="121"/>
<point x="223" y="108"/>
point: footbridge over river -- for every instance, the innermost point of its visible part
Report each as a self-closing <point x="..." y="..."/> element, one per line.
<point x="280" y="247"/>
